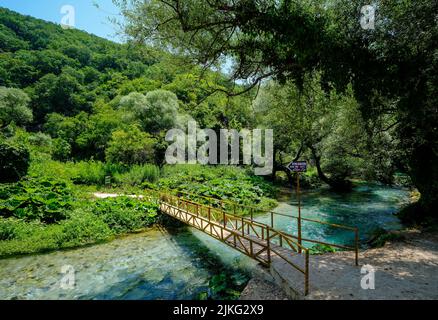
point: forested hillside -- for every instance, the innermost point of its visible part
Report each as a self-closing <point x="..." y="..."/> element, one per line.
<point x="82" y="88"/>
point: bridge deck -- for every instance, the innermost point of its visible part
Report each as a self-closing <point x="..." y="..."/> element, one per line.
<point x="258" y="241"/>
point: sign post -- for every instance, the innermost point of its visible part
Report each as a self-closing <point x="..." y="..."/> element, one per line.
<point x="298" y="167"/>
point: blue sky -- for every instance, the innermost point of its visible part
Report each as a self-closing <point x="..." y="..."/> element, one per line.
<point x="87" y="16"/>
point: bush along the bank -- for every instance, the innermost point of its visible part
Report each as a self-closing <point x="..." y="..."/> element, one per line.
<point x="14" y="161"/>
<point x="44" y="200"/>
<point x="319" y="249"/>
<point x="125" y="214"/>
<point x="222" y="182"/>
<point x="36" y="224"/>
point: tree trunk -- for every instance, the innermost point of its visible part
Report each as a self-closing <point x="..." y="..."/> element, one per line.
<point x="337" y="185"/>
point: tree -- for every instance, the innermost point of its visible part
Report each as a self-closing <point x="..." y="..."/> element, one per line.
<point x="94" y="138"/>
<point x="14" y="161"/>
<point x="155" y="111"/>
<point x="286" y="39"/>
<point x="14" y="107"/>
<point x="61" y="149"/>
<point x="63" y="94"/>
<point x="130" y="146"/>
<point x="309" y="123"/>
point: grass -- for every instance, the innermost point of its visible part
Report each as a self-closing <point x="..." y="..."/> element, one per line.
<point x="137" y="175"/>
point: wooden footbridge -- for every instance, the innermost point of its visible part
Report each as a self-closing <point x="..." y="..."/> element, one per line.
<point x="261" y="242"/>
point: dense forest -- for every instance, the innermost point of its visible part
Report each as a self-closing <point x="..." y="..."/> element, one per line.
<point x="91" y="97"/>
<point x="80" y="88"/>
<point x="387" y="61"/>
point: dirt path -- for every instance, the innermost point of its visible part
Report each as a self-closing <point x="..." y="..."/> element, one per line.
<point x="101" y="195"/>
<point x="403" y="270"/>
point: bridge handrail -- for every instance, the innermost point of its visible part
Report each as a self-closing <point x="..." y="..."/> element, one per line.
<point x="169" y="199"/>
<point x="240" y="218"/>
<point x="268" y="210"/>
<point x="355" y="229"/>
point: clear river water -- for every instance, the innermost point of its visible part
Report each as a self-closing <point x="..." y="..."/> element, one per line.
<point x="180" y="263"/>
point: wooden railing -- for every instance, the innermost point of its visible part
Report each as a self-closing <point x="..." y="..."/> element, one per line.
<point x="252" y="212"/>
<point x="248" y="236"/>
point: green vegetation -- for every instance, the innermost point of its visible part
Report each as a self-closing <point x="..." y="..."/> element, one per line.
<point x="14" y="161"/>
<point x="379" y="237"/>
<point x="228" y="183"/>
<point x="80" y="114"/>
<point x="390" y="70"/>
<point x="45" y="200"/>
<point x="318" y="249"/>
<point x="39" y="215"/>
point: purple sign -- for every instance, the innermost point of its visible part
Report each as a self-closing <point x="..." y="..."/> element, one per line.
<point x="297" y="166"/>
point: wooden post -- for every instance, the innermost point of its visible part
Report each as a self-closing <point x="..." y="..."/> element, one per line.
<point x="224" y="218"/>
<point x="243" y="228"/>
<point x="306" y="275"/>
<point x="268" y="248"/>
<point x="272" y="219"/>
<point x="356" y="244"/>
<point x="299" y="212"/>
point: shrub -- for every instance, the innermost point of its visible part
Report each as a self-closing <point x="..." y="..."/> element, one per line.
<point x="380" y="236"/>
<point x="7" y="229"/>
<point x="84" y="227"/>
<point x="61" y="149"/>
<point x="12" y="228"/>
<point x="40" y="139"/>
<point x="88" y="172"/>
<point x="32" y="238"/>
<point x="310" y="178"/>
<point x="220" y="182"/>
<point x="111" y="169"/>
<point x="45" y="200"/>
<point x="321" y="249"/>
<point x="138" y="174"/>
<point x="124" y="214"/>
<point x="130" y="146"/>
<point x="14" y="161"/>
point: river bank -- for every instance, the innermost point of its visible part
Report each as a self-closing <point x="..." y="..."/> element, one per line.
<point x="404" y="269"/>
